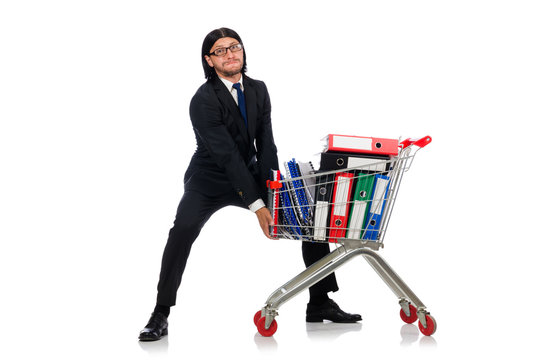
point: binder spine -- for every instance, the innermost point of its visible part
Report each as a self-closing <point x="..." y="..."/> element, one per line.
<point x="320" y="228"/>
<point x="348" y="143"/>
<point x="324" y="190"/>
<point x="379" y="197"/>
<point x="307" y="171"/>
<point x="363" y="191"/>
<point x="340" y="206"/>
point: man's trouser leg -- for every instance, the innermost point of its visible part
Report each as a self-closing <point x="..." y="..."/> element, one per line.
<point x="193" y="212"/>
<point x="312" y="252"/>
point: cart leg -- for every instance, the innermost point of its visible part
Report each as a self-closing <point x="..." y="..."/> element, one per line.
<point x="391" y="278"/>
<point x="311" y="275"/>
<point x="266" y="324"/>
<point x="397" y="285"/>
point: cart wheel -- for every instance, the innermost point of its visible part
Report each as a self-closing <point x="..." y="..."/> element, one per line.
<point x="266" y="332"/>
<point x="431" y="326"/>
<point x="257" y="317"/>
<point x="409" y="319"/>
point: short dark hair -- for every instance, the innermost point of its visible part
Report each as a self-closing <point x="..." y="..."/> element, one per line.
<point x="209" y="40"/>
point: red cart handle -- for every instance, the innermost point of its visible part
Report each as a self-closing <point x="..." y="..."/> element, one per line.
<point x="273" y="184"/>
<point x="424" y="141"/>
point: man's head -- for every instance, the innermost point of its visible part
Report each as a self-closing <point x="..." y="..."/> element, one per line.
<point x="223" y="53"/>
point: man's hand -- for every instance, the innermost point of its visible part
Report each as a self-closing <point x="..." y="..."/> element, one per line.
<point x="265" y="220"/>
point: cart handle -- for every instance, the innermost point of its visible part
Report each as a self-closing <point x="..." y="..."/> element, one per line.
<point x="422" y="142"/>
<point x="273" y="184"/>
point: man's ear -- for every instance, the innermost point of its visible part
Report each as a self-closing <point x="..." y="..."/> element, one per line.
<point x="209" y="60"/>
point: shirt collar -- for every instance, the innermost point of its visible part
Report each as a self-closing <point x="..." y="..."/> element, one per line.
<point x="229" y="84"/>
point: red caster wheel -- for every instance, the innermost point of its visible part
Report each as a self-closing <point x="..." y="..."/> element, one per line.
<point x="409" y="319"/>
<point x="257" y="317"/>
<point x="266" y="332"/>
<point x="431" y="326"/>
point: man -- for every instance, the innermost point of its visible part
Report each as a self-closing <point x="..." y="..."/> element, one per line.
<point x="235" y="152"/>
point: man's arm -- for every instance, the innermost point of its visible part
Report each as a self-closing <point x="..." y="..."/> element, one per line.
<point x="267" y="157"/>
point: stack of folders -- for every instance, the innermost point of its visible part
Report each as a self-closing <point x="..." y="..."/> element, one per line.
<point x="351" y="195"/>
<point x="344" y="199"/>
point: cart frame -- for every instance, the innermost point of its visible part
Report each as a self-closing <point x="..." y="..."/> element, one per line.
<point x="412" y="308"/>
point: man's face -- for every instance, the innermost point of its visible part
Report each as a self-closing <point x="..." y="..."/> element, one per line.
<point x="229" y="64"/>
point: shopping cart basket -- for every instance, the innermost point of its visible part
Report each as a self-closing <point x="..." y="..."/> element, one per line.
<point x="350" y="207"/>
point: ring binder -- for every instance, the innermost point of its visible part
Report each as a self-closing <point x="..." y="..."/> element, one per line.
<point x="340" y="206"/>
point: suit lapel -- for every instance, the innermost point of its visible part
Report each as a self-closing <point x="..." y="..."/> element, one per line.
<point x="226" y="99"/>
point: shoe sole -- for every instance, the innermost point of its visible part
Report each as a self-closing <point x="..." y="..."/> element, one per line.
<point x="316" y="320"/>
<point x="151" y="337"/>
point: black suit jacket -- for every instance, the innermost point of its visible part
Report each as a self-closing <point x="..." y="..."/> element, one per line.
<point x="230" y="156"/>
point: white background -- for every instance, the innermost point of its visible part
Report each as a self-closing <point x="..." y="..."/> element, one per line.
<point x="95" y="138"/>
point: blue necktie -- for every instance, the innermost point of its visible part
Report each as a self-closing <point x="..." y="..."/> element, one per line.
<point x="241" y="101"/>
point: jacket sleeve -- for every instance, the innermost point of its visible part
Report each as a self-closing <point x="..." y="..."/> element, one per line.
<point x="206" y="117"/>
<point x="267" y="157"/>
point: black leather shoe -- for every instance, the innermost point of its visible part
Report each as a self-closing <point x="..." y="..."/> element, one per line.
<point x="329" y="310"/>
<point x="155" y="329"/>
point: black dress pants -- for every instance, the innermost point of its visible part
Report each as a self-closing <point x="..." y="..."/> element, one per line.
<point x="193" y="212"/>
<point x="312" y="252"/>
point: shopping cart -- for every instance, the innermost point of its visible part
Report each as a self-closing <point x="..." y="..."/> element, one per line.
<point x="356" y="218"/>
